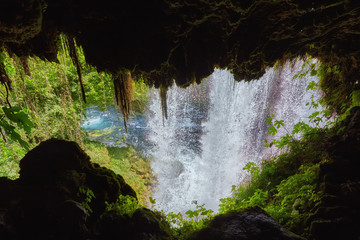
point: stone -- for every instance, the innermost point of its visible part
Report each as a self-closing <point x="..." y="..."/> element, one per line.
<point x="338" y="213"/>
<point x="250" y="224"/>
<point x="47" y="201"/>
<point x="50" y="158"/>
<point x="144" y="224"/>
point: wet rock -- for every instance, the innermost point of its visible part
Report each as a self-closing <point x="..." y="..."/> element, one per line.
<point x="71" y="220"/>
<point x="176" y="168"/>
<point x="51" y="158"/>
<point x="250" y="224"/>
<point x="47" y="201"/>
<point x="147" y="221"/>
<point x="142" y="225"/>
<point x="338" y="214"/>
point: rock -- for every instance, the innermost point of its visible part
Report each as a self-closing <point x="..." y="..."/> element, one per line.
<point x="50" y="158"/>
<point x="142" y="225"/>
<point x="147" y="222"/>
<point x="71" y="220"/>
<point x="338" y="214"/>
<point x="250" y="224"/>
<point x="338" y="228"/>
<point x="191" y="38"/>
<point x="175" y="169"/>
<point x="60" y="194"/>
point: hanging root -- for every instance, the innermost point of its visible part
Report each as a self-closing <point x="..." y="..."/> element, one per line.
<point x="75" y="59"/>
<point x="124" y="88"/>
<point x="3" y="135"/>
<point x="25" y="65"/>
<point x="163" y="92"/>
<point x="5" y="80"/>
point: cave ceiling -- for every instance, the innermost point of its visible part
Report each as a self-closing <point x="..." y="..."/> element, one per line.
<point x="184" y="40"/>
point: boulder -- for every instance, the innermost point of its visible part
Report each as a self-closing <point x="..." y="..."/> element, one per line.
<point x="250" y="224"/>
<point x="59" y="194"/>
<point x="143" y="224"/>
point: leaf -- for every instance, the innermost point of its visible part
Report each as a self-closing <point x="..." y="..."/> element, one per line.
<point x="190" y="214"/>
<point x="272" y="130"/>
<point x="269" y="120"/>
<point x="152" y="200"/>
<point x="313" y="73"/>
<point x="11" y="131"/>
<point x="314" y="115"/>
<point x="18" y="116"/>
<point x="279" y="123"/>
<point x="312" y="85"/>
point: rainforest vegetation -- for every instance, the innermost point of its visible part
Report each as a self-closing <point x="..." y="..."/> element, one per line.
<point x="46" y="100"/>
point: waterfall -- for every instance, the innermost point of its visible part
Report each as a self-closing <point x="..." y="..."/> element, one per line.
<point x="215" y="128"/>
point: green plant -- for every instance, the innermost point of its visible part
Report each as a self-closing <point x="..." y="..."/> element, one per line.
<point x="252" y="168"/>
<point x="88" y="195"/>
<point x="46" y="102"/>
<point x="195" y="220"/>
<point x="15" y="116"/>
<point x="294" y="198"/>
<point x="285" y="185"/>
<point x="199" y="212"/>
<point x="10" y="153"/>
<point x="124" y="205"/>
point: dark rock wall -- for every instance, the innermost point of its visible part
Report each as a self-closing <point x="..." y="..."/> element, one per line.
<point x="184" y="40"/>
<point x="337" y="216"/>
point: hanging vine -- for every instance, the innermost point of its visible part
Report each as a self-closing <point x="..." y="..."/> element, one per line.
<point x="163" y="95"/>
<point x="124" y="88"/>
<point x="75" y="59"/>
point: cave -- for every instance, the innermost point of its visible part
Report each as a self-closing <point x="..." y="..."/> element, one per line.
<point x="180" y="43"/>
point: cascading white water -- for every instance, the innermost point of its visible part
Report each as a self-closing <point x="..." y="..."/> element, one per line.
<point x="214" y="129"/>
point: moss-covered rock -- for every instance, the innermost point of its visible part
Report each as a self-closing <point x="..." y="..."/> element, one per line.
<point x="60" y="194"/>
<point x="249" y="224"/>
<point x="337" y="215"/>
<point x="143" y="224"/>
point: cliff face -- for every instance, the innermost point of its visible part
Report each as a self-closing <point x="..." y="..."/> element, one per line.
<point x="184" y="40"/>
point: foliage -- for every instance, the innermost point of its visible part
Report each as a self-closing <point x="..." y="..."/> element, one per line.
<point x="195" y="220"/>
<point x="302" y="129"/>
<point x="11" y="153"/>
<point x="336" y="89"/>
<point x="285" y="185"/>
<point x="46" y="102"/>
<point x="295" y="197"/>
<point x="199" y="212"/>
<point x="88" y="195"/>
<point x="124" y="205"/>
<point x="252" y="168"/>
<point x="11" y="117"/>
